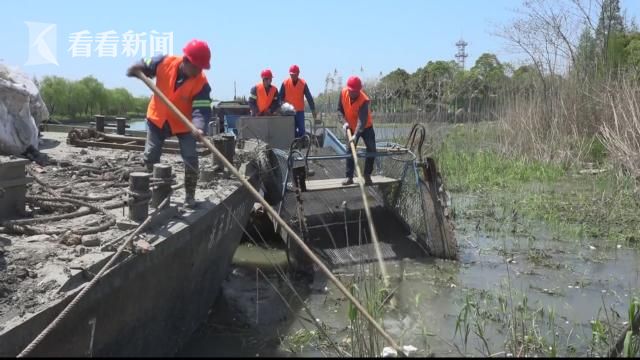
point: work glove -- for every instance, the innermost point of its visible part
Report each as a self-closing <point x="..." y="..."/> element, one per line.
<point x="315" y="115"/>
<point x="133" y="70"/>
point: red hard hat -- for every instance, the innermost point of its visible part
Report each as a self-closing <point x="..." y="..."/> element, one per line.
<point x="198" y="53"/>
<point x="266" y="74"/>
<point x="354" y="84"/>
<point x="294" y="69"/>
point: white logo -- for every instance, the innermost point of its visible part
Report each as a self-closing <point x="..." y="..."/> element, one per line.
<point x="42" y="43"/>
<point x="107" y="43"/>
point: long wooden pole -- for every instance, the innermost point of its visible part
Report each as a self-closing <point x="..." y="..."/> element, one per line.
<point x="367" y="210"/>
<point x="199" y="136"/>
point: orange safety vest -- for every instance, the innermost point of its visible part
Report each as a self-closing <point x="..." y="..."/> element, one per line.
<point x="264" y="100"/>
<point x="294" y="94"/>
<point x="182" y="98"/>
<point x="352" y="111"/>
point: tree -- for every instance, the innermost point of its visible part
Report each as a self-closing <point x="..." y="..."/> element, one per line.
<point x="55" y="92"/>
<point x="632" y="52"/>
<point x="96" y="99"/>
<point x="610" y="25"/>
<point x="393" y="89"/>
<point x="586" y="56"/>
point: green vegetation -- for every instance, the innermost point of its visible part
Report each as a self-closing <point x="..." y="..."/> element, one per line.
<point x="600" y="205"/>
<point x="67" y="99"/>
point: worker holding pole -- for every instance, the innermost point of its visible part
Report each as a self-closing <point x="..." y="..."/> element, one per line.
<point x="293" y="91"/>
<point x="354" y="106"/>
<point x="182" y="80"/>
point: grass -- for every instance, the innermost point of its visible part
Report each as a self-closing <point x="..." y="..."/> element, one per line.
<point x="570" y="203"/>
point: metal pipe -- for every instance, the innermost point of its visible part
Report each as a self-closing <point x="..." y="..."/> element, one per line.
<point x="121" y="124"/>
<point x="139" y="195"/>
<point x="99" y="123"/>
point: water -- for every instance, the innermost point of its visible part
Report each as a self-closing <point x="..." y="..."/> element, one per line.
<point x="565" y="277"/>
<point x="138" y="124"/>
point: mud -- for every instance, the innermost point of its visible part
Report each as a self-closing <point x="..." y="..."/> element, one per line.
<point x="36" y="266"/>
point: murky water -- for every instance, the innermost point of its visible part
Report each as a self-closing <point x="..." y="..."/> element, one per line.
<point x="568" y="279"/>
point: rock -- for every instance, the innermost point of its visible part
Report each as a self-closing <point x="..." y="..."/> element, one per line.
<point x="39" y="238"/>
<point x="70" y="239"/>
<point x="83" y="152"/>
<point x="91" y="240"/>
<point x="21" y="112"/>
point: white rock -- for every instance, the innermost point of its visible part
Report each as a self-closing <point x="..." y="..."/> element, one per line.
<point x="21" y="111"/>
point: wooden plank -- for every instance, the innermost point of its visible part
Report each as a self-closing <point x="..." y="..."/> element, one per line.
<point x="333" y="184"/>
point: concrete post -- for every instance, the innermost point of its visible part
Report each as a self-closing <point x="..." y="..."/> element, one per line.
<point x="121" y="124"/>
<point x="139" y="196"/>
<point x="13" y="187"/>
<point x="229" y="147"/>
<point x="218" y="142"/>
<point x="161" y="191"/>
<point x="100" y="123"/>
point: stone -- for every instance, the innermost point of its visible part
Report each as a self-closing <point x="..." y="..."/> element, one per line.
<point x="90" y="240"/>
<point x="70" y="239"/>
<point x="21" y="112"/>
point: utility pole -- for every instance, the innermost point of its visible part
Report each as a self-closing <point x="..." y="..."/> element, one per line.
<point x="461" y="55"/>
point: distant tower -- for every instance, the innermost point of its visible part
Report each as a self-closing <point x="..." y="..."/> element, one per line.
<point x="461" y="55"/>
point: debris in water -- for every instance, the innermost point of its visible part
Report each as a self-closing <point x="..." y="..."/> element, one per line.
<point x="592" y="247"/>
<point x="389" y="352"/>
<point x="408" y="349"/>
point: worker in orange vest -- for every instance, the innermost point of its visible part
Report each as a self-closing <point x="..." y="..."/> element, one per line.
<point x="263" y="100"/>
<point x="182" y="80"/>
<point x="354" y="106"/>
<point x="293" y="91"/>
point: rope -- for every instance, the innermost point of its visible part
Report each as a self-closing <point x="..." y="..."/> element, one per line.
<point x="89" y="286"/>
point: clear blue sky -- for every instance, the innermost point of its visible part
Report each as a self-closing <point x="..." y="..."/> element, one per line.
<point x="246" y="36"/>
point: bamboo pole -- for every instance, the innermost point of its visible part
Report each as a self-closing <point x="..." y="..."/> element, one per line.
<point x="199" y="136"/>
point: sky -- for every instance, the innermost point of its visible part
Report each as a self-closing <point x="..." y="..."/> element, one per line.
<point x="354" y="37"/>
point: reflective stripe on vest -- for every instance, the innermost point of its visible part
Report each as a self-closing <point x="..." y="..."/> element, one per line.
<point x="264" y="101"/>
<point x="352" y="111"/>
<point x="182" y="98"/>
<point x="294" y="94"/>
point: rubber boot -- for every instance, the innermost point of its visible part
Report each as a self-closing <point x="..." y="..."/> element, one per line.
<point x="190" y="183"/>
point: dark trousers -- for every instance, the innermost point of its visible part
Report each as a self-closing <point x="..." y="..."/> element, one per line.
<point x="369" y="138"/>
<point x="299" y="124"/>
<point x="155" y="140"/>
